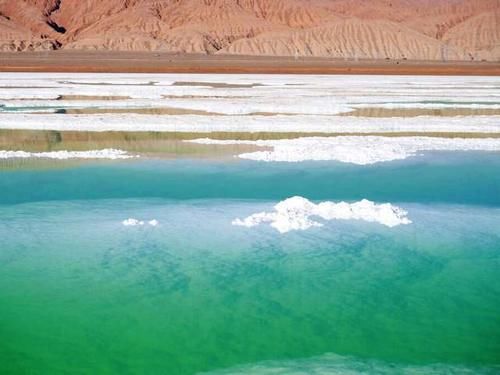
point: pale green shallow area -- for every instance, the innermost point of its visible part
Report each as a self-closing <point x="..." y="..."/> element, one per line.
<point x="81" y="293"/>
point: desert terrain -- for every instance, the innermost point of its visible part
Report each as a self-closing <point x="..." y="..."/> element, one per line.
<point x="439" y="30"/>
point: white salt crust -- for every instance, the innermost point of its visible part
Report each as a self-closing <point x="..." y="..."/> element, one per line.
<point x="298" y="213"/>
<point x="361" y="150"/>
<point x="298" y="103"/>
<point x="254" y="123"/>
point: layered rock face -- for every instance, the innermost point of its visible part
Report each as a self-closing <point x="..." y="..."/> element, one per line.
<point x="351" y="29"/>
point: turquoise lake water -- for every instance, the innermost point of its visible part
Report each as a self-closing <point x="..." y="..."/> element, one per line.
<point x="81" y="293"/>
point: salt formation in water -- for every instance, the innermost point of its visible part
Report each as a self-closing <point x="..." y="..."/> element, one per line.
<point x="296" y="213"/>
<point x="131" y="222"/>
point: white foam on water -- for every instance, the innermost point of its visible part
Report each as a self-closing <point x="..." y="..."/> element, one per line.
<point x="108" y="153"/>
<point x="298" y="213"/>
<point x="361" y="150"/>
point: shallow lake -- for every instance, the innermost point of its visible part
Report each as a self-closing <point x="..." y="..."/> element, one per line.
<point x="83" y="293"/>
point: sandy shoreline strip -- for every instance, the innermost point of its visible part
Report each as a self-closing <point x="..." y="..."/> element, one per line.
<point x="149" y="62"/>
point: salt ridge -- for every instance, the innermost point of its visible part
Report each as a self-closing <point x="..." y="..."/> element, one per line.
<point x="298" y="213"/>
<point x="278" y="123"/>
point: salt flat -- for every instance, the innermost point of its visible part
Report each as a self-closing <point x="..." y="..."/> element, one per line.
<point x="286" y="105"/>
<point x="239" y="95"/>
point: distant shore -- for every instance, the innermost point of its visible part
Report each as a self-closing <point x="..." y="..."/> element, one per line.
<point x="150" y="62"/>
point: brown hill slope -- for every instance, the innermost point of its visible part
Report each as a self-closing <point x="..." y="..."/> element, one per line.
<point x="395" y="29"/>
<point x="480" y="34"/>
<point x="349" y="38"/>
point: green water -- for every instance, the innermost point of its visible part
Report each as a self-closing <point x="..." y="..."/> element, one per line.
<point x="81" y="293"/>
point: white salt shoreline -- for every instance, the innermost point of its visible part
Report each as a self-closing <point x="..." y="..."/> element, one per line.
<point x="361" y="150"/>
<point x="109" y="153"/>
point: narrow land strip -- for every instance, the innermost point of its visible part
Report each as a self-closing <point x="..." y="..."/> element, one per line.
<point x="146" y="62"/>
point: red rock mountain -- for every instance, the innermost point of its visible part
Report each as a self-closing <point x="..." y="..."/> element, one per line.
<point x="376" y="29"/>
